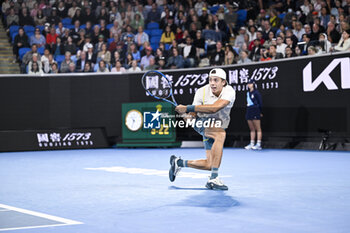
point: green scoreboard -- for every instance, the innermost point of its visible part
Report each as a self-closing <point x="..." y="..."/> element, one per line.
<point x="147" y="124"/>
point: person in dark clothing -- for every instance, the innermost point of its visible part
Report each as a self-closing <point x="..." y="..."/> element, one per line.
<point x="53" y="19"/>
<point x="153" y="15"/>
<point x="25" y="18"/>
<point x="253" y="116"/>
<point x="332" y="33"/>
<point x="88" y="15"/>
<point x="21" y="41"/>
<point x="306" y="44"/>
<point x="217" y="58"/>
<point x="255" y="54"/>
<point x="189" y="53"/>
<point x="62" y="10"/>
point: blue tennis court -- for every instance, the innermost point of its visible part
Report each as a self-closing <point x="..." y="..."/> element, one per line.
<point x="127" y="190"/>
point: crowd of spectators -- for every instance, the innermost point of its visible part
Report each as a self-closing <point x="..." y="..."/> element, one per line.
<point x="115" y="35"/>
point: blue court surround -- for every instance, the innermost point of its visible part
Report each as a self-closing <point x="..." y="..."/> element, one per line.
<point x="287" y="191"/>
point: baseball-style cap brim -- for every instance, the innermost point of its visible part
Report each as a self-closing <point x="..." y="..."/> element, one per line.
<point x="218" y="72"/>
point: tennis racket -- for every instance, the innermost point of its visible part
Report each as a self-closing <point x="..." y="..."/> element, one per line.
<point x="158" y="86"/>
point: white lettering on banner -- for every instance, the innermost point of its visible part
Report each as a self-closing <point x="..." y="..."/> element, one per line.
<point x="238" y="78"/>
<point x="191" y="79"/>
<point x="42" y="137"/>
<point x="51" y="140"/>
<point x="324" y="77"/>
<point x="263" y="77"/>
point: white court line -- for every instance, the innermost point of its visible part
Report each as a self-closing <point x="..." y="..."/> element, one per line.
<point x="32" y="227"/>
<point x="150" y="172"/>
<point x="42" y="215"/>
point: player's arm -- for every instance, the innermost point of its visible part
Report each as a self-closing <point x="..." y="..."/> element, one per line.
<point x="206" y="108"/>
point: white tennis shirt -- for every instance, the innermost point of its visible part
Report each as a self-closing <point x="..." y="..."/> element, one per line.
<point x="204" y="95"/>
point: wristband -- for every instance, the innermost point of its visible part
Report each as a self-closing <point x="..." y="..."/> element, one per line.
<point x="190" y="108"/>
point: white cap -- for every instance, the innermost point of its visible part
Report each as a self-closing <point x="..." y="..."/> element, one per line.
<point x="218" y="72"/>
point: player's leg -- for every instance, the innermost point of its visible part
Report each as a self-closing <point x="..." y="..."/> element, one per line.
<point x="252" y="135"/>
<point x="202" y="164"/>
<point x="257" y="126"/>
<point x="219" y="136"/>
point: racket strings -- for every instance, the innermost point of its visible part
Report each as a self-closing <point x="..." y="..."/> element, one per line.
<point x="157" y="85"/>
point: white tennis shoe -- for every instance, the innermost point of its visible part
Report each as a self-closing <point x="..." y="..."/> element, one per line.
<point x="216" y="184"/>
<point x="257" y="147"/>
<point x="249" y="146"/>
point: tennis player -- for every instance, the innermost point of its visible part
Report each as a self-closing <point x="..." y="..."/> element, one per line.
<point x="214" y="100"/>
<point x="253" y="116"/>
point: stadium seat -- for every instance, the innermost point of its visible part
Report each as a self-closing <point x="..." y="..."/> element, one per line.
<point x="83" y="26"/>
<point x="23" y="51"/>
<point x="13" y="36"/>
<point x="13" y="29"/>
<point x="41" y="50"/>
<point x="59" y="59"/>
<point x="29" y="34"/>
<point x="242" y="17"/>
<point x="156" y="32"/>
<point x="28" y="28"/>
<point x="167" y="46"/>
<point x="154" y="46"/>
<point x="214" y="9"/>
<point x="41" y="28"/>
<point x="153" y="25"/>
<point x="69" y="26"/>
<point x="66" y="21"/>
<point x="147" y="31"/>
<point x="74" y="59"/>
<point x="281" y="16"/>
<point x="155" y="39"/>
<point x="109" y="26"/>
<point x="109" y="41"/>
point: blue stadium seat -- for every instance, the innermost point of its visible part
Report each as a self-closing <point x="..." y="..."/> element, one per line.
<point x="153" y="25"/>
<point x="83" y="26"/>
<point x="29" y="34"/>
<point x="13" y="36"/>
<point x="154" y="46"/>
<point x="155" y="39"/>
<point x="23" y="51"/>
<point x="66" y="21"/>
<point x="28" y="28"/>
<point x="74" y="59"/>
<point x="109" y="26"/>
<point x="147" y="31"/>
<point x="59" y="59"/>
<point x="41" y="28"/>
<point x="242" y="17"/>
<point x="281" y="16"/>
<point x="156" y="32"/>
<point x="109" y="41"/>
<point x="167" y="46"/>
<point x="13" y="29"/>
<point x="69" y="26"/>
<point x="214" y="9"/>
<point x="41" y="50"/>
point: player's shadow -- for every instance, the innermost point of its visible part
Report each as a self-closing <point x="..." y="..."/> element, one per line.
<point x="213" y="200"/>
